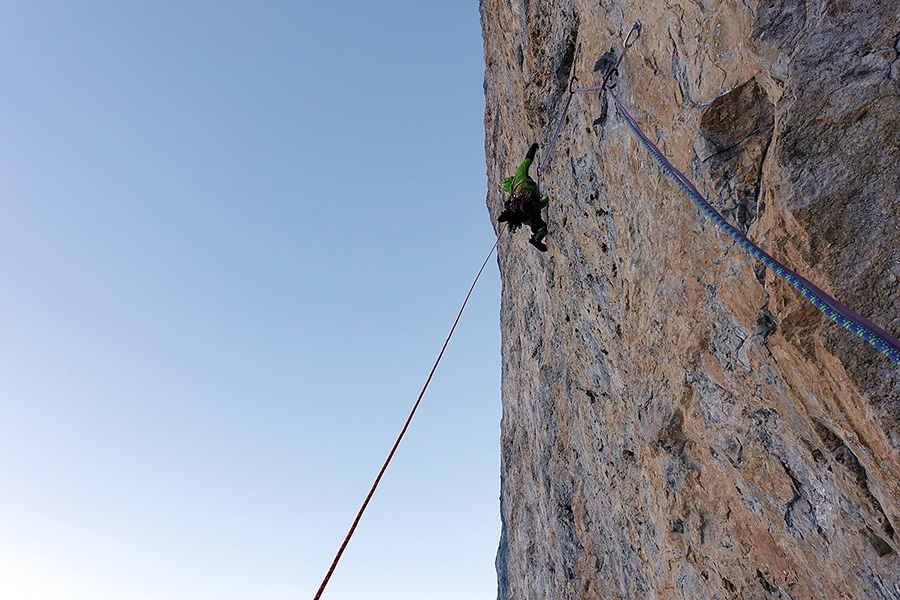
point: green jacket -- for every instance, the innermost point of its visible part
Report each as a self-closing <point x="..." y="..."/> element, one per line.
<point x="521" y="180"/>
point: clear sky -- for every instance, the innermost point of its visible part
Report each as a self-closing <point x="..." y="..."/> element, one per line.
<point x="233" y="237"/>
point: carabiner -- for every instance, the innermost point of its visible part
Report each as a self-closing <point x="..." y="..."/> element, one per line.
<point x="635" y="29"/>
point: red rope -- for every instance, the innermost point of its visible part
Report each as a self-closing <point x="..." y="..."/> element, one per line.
<point x="362" y="509"/>
<point x="409" y="419"/>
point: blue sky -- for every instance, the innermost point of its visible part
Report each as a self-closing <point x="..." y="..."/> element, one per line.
<point x="233" y="238"/>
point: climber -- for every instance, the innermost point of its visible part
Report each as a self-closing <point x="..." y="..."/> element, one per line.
<point x="525" y="203"/>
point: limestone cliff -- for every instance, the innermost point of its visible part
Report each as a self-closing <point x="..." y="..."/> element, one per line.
<point x="678" y="423"/>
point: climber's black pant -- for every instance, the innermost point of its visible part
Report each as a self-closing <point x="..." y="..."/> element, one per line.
<point x="533" y="210"/>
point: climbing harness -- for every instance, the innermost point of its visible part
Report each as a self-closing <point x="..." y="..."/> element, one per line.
<point x="409" y="419"/>
<point x="883" y="341"/>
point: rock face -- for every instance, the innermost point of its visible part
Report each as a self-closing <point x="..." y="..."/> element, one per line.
<point x="677" y="422"/>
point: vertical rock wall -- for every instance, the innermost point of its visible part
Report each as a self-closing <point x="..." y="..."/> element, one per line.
<point x="678" y="423"/>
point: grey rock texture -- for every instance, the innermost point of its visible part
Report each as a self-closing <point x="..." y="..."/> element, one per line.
<point x="677" y="422"/>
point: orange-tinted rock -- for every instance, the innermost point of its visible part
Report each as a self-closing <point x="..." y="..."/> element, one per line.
<point x="679" y="423"/>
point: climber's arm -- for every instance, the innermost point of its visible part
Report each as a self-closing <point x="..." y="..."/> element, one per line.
<point x="522" y="171"/>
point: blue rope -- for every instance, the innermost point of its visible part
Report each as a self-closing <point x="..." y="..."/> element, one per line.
<point x="883" y="341"/>
<point x="831" y="308"/>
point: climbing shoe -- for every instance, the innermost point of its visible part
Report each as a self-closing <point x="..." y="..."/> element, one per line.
<point x="540" y="234"/>
<point x="538" y="244"/>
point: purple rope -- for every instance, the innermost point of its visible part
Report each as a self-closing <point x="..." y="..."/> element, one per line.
<point x="559" y="125"/>
<point x="883" y="341"/>
<point x="834" y="310"/>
